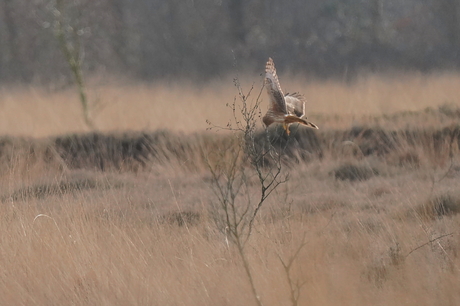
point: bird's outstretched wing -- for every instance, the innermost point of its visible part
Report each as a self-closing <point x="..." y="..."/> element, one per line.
<point x="277" y="102"/>
<point x="295" y="104"/>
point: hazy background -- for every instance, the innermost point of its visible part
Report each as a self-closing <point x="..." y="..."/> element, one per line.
<point x="208" y="39"/>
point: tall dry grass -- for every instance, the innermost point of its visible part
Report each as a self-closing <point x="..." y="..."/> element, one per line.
<point x="124" y="243"/>
<point x="31" y="111"/>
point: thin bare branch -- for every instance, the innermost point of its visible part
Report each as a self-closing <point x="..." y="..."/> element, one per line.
<point x="428" y="242"/>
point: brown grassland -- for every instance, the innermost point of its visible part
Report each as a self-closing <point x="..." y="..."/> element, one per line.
<point x="124" y="215"/>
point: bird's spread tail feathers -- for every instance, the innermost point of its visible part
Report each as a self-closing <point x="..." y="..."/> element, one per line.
<point x="289" y="119"/>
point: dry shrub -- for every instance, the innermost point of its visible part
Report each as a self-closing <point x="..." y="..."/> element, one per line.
<point x="446" y="204"/>
<point x="125" y="152"/>
<point x="449" y="110"/>
<point x="358" y="142"/>
<point x="136" y="151"/>
<point x="400" y="147"/>
<point x="103" y="152"/>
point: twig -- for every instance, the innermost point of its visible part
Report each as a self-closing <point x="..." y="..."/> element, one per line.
<point x="432" y="240"/>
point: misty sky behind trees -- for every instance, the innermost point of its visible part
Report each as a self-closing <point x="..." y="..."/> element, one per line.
<point x="208" y="39"/>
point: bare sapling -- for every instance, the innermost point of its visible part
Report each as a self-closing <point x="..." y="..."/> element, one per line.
<point x="69" y="40"/>
<point x="239" y="164"/>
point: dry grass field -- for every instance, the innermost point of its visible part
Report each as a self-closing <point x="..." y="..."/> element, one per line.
<point x="124" y="216"/>
<point x="121" y="106"/>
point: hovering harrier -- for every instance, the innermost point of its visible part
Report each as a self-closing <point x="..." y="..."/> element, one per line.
<point x="285" y="109"/>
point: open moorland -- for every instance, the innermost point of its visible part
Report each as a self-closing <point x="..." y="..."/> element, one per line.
<point x="130" y="212"/>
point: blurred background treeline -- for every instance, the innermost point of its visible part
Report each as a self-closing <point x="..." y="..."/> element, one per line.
<point x="206" y="39"/>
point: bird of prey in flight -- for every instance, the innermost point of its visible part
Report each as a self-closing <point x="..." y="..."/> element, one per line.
<point x="286" y="109"/>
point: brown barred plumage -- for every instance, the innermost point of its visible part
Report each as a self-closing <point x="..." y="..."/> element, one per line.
<point x="285" y="109"/>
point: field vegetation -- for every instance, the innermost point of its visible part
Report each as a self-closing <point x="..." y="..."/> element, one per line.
<point x="366" y="212"/>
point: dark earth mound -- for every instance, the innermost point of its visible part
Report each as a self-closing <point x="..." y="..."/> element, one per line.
<point x="135" y="151"/>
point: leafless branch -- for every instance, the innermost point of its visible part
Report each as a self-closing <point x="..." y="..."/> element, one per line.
<point x="430" y="241"/>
